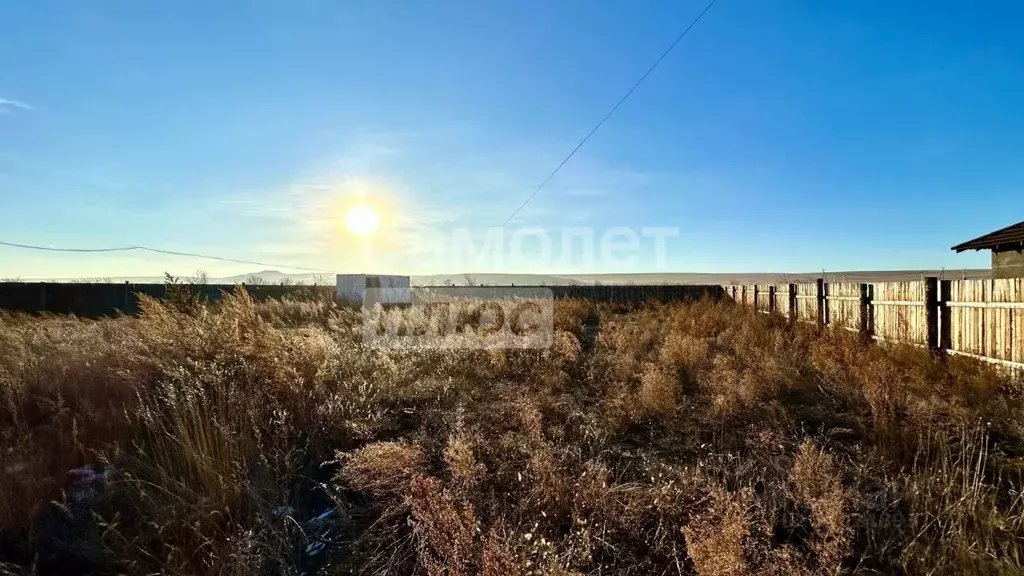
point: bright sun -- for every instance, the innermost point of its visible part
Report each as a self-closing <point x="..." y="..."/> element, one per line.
<point x="361" y="220"/>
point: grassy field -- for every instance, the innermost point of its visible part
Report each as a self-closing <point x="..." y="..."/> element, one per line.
<point x="688" y="439"/>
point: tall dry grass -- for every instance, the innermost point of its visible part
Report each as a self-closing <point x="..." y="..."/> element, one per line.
<point x="695" y="438"/>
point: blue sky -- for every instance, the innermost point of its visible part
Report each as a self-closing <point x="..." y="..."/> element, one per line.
<point x="779" y="136"/>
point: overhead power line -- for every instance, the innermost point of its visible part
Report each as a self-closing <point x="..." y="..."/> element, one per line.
<point x="614" y="108"/>
<point x="157" y="251"/>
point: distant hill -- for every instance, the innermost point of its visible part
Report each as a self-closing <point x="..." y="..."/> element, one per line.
<point x="494" y="280"/>
<point x="489" y="279"/>
<point x="777" y="277"/>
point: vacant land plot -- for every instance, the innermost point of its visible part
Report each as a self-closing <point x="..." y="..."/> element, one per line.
<point x="684" y="439"/>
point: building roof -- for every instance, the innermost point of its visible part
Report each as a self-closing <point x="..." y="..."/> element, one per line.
<point x="1010" y="235"/>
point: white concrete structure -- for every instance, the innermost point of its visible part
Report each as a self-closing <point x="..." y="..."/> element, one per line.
<point x="386" y="289"/>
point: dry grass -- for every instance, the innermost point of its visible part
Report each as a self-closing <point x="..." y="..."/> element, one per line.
<point x="716" y="538"/>
<point x="695" y="438"/>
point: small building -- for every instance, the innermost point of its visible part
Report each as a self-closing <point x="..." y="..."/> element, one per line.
<point x="1007" y="246"/>
<point x="366" y="289"/>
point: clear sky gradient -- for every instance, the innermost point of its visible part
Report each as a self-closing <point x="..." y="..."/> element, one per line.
<point x="791" y="135"/>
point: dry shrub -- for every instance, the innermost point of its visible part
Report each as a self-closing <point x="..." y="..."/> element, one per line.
<point x="565" y="349"/>
<point x="445" y="529"/>
<point x="571" y="314"/>
<point x="548" y="483"/>
<point x="462" y="463"/>
<point x="384" y="468"/>
<point x="741" y="394"/>
<point x="658" y="392"/>
<point x="627" y="518"/>
<point x="708" y="318"/>
<point x="530" y="419"/>
<point x="620" y="411"/>
<point x="685" y="355"/>
<point x="498" y="558"/>
<point x="627" y="344"/>
<point x="736" y="358"/>
<point x="884" y="376"/>
<point x="716" y="539"/>
<point x="818" y="483"/>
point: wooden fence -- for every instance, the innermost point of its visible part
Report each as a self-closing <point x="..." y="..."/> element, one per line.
<point x="982" y="319"/>
<point x="97" y="300"/>
<point x="105" y="299"/>
<point x="635" y="294"/>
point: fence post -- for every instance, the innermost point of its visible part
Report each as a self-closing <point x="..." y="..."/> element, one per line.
<point x="771" y="299"/>
<point x="931" y="307"/>
<point x="755" y="297"/>
<point x="822" y="308"/>
<point x="867" y="324"/>
<point x="42" y="297"/>
<point x="945" y="322"/>
<point x="793" y="311"/>
<point x="743" y="294"/>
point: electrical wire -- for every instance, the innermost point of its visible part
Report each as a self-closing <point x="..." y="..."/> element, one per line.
<point x="612" y="111"/>
<point x="158" y="251"/>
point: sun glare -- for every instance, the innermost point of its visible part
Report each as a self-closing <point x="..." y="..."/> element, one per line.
<point x="361" y="220"/>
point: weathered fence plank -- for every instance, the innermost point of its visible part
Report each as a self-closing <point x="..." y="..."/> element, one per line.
<point x="931" y="311"/>
<point x="807" y="303"/>
<point x="765" y="293"/>
<point x="843" y="305"/>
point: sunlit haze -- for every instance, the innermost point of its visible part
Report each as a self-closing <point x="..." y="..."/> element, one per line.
<point x="362" y="220"/>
